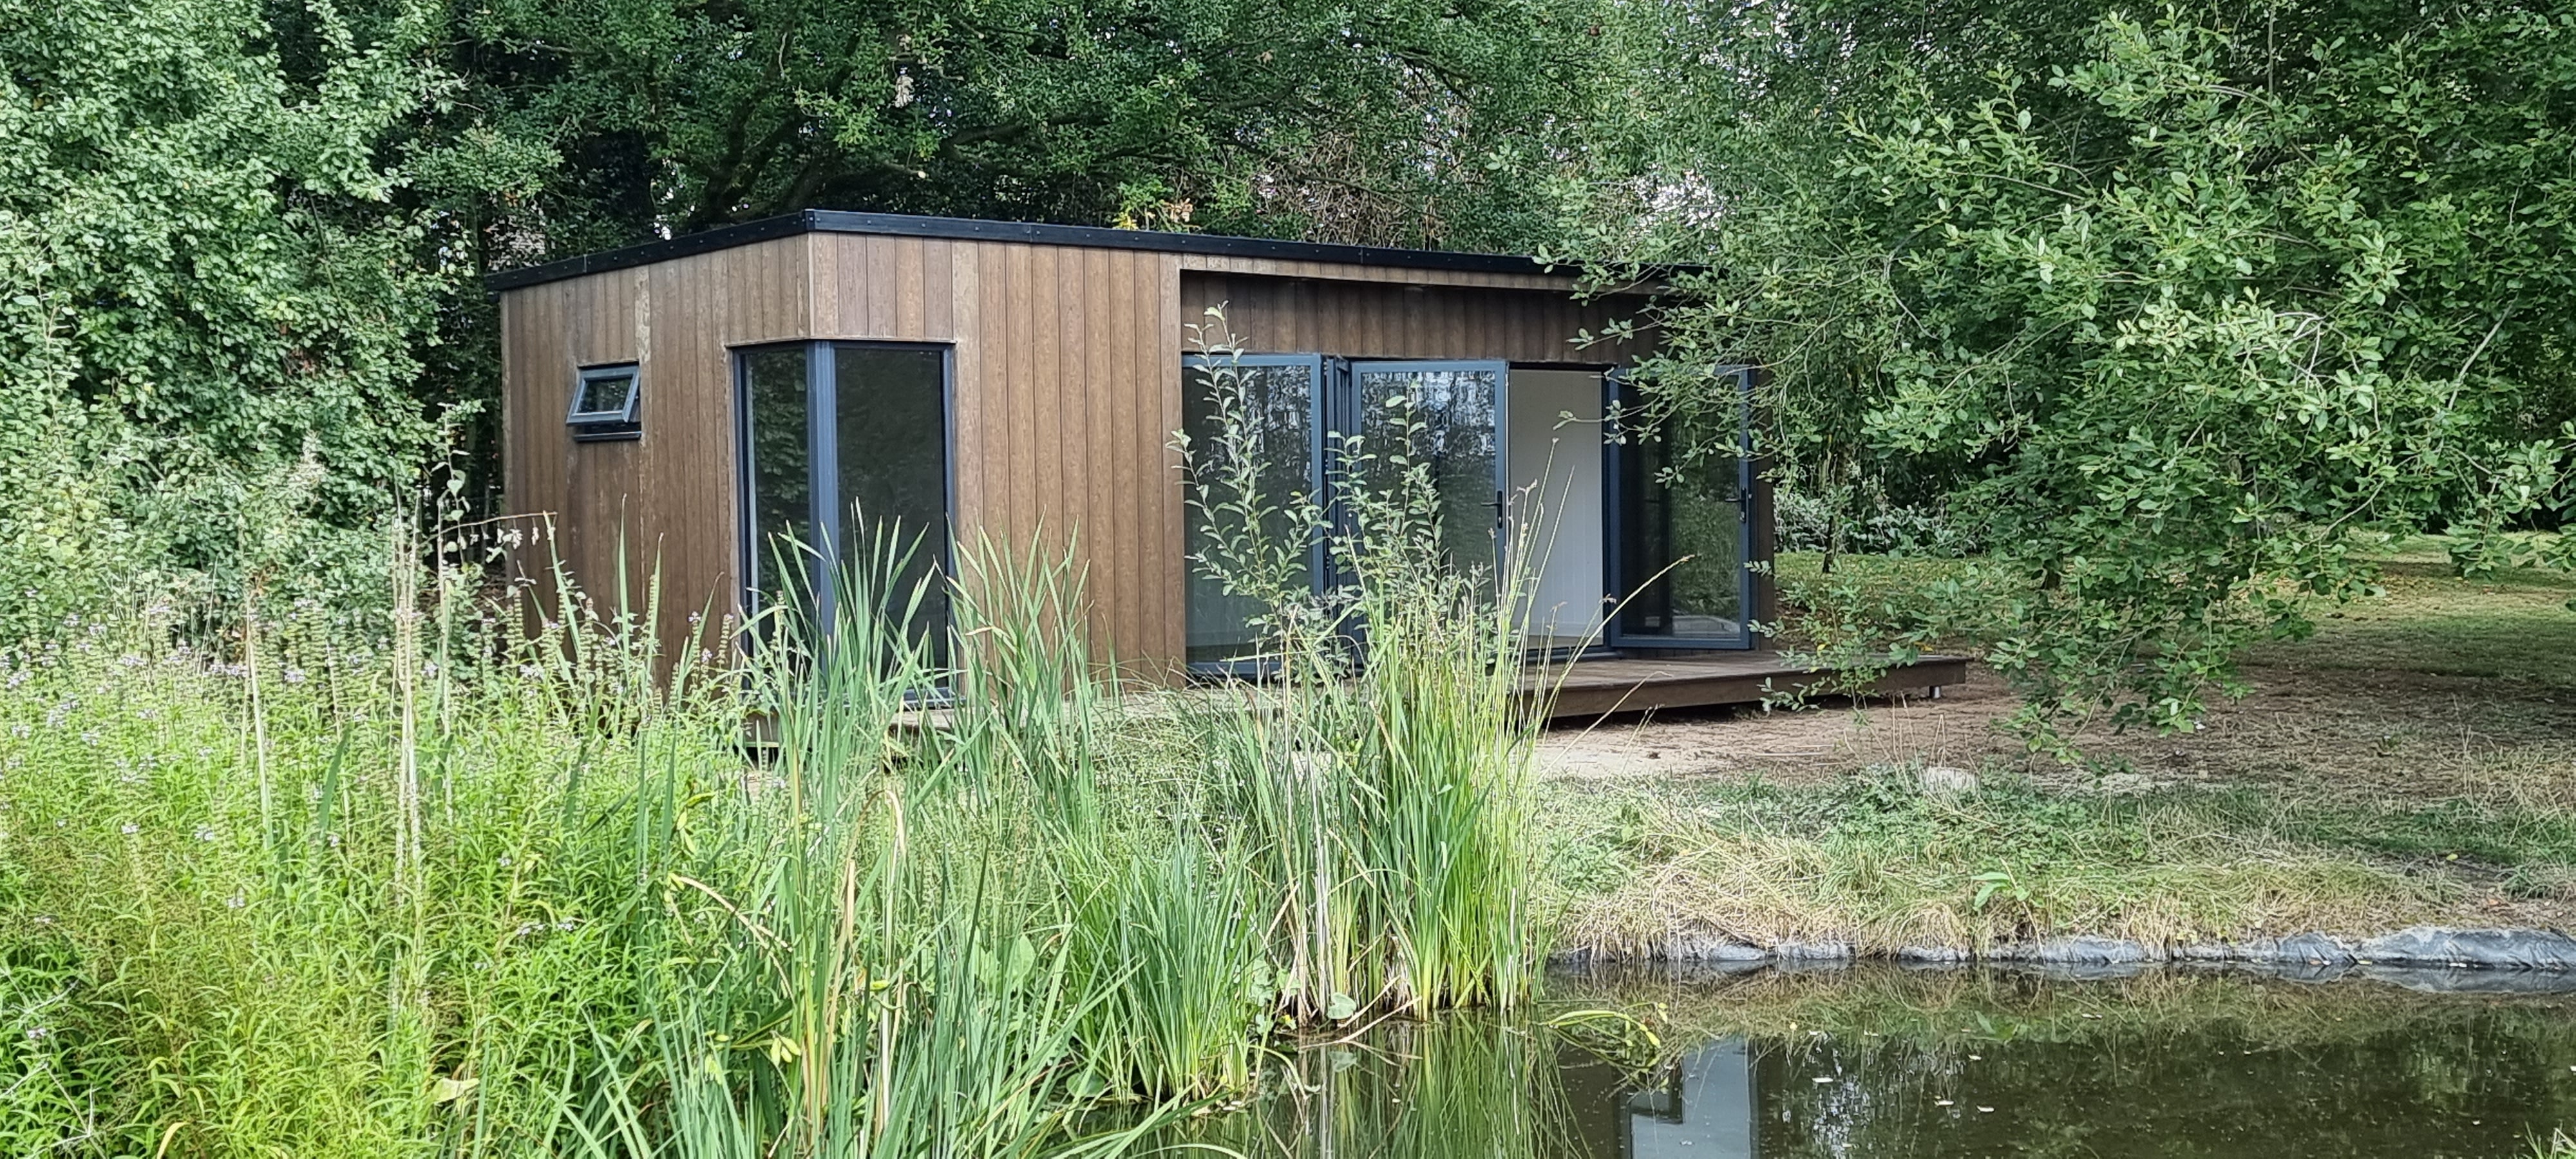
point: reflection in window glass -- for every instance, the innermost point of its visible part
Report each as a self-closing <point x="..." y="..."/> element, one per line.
<point x="779" y="444"/>
<point x="1279" y="404"/>
<point x="1444" y="418"/>
<point x="892" y="443"/>
<point x="1684" y="533"/>
<point x="604" y="393"/>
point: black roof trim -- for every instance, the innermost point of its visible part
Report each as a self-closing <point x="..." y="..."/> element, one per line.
<point x="971" y="229"/>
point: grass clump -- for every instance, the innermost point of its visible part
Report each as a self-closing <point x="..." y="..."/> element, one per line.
<point x="1874" y="861"/>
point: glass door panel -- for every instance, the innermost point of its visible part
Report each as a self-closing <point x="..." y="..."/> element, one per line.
<point x="1448" y="416"/>
<point x="1258" y="409"/>
<point x="1680" y="527"/>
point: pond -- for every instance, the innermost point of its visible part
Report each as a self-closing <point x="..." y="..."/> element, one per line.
<point x="1887" y="1062"/>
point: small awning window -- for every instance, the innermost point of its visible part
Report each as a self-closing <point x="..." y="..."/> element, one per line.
<point x="605" y="403"/>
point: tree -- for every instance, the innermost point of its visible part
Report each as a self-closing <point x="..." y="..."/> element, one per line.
<point x="209" y="303"/>
<point x="2181" y="307"/>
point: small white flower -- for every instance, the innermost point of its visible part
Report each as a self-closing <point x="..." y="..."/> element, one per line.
<point x="131" y="828"/>
<point x="205" y="833"/>
<point x="37" y="1033"/>
<point x="44" y="919"/>
<point x="295" y="676"/>
<point x="234" y="902"/>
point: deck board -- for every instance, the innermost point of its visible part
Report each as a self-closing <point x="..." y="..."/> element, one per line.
<point x="1594" y="687"/>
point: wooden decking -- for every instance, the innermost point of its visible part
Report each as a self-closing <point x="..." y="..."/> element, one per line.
<point x="1594" y="687"/>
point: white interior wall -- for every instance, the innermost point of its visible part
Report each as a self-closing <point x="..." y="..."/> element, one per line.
<point x="1553" y="463"/>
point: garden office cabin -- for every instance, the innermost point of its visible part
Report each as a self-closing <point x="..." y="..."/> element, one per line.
<point x="684" y="402"/>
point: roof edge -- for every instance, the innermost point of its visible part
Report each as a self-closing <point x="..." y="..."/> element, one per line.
<point x="974" y="229"/>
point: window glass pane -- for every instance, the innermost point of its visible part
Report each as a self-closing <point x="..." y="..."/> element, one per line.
<point x="892" y="435"/>
<point x="1277" y="405"/>
<point x="1445" y="418"/>
<point x="1683" y="533"/>
<point x="604" y="393"/>
<point x="781" y="479"/>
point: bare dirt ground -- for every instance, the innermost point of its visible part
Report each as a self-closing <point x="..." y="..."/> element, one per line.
<point x="2436" y="687"/>
<point x="2336" y="733"/>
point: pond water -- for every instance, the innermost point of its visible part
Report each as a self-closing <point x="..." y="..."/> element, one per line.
<point x="1886" y="1062"/>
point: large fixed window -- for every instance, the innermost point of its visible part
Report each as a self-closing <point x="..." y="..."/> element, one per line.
<point x="851" y="438"/>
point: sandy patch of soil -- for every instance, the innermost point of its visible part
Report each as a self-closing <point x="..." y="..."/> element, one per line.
<point x="2366" y="735"/>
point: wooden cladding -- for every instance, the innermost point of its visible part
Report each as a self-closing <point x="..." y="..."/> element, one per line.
<point x="1067" y="391"/>
<point x="1383" y="319"/>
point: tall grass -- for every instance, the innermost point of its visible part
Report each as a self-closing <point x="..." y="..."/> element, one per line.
<point x="487" y="873"/>
<point x="1383" y="799"/>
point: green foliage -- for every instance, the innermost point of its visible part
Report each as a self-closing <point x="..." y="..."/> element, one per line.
<point x="1386" y="123"/>
<point x="209" y="304"/>
<point x="499" y="881"/>
<point x="2174" y="307"/>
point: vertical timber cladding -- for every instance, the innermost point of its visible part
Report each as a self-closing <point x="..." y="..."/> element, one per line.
<point x="1376" y="312"/>
<point x="667" y="497"/>
<point x="1067" y="390"/>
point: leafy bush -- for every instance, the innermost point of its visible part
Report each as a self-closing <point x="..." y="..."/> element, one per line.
<point x="1862" y="519"/>
<point x="209" y="304"/>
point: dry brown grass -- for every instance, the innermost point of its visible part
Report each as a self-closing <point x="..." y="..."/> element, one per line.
<point x="2414" y="761"/>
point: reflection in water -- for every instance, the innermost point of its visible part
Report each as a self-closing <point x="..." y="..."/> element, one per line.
<point x="1705" y="1112"/>
<point x="1457" y="1087"/>
<point x="1881" y="1063"/>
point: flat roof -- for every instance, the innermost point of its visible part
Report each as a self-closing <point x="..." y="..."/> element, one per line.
<point x="972" y="229"/>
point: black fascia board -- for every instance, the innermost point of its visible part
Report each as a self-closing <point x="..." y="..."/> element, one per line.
<point x="971" y="229"/>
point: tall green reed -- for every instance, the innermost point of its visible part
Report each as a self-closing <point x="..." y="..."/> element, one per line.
<point x="495" y="874"/>
<point x="1381" y="791"/>
<point x="919" y="932"/>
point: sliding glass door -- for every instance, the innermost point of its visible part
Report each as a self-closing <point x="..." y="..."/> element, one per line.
<point x="851" y="438"/>
<point x="1288" y="416"/>
<point x="1680" y="523"/>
